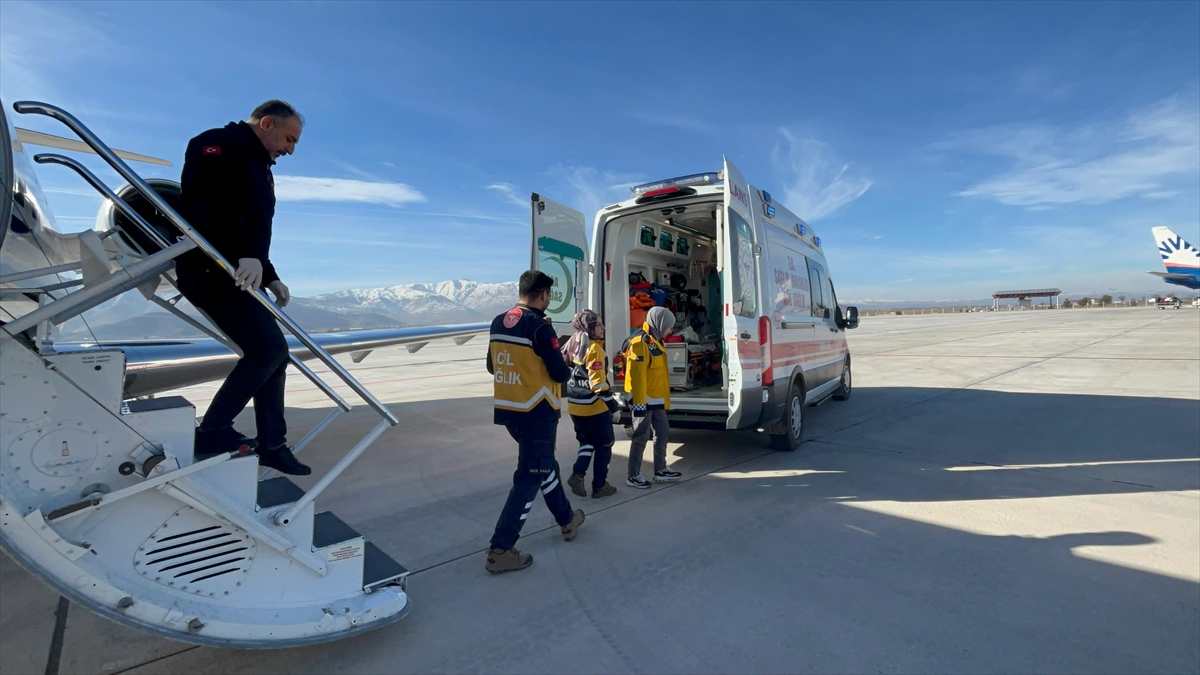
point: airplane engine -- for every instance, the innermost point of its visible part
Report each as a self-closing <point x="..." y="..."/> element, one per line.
<point x="130" y="240"/>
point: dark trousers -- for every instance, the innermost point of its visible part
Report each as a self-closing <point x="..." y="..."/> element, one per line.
<point x="261" y="371"/>
<point x="536" y="470"/>
<point x="596" y="438"/>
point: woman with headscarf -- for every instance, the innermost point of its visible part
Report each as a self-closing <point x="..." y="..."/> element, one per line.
<point x="590" y="403"/>
<point x="649" y="388"/>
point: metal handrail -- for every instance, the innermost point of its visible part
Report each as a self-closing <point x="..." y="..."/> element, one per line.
<point x="86" y="135"/>
<point x="124" y="279"/>
<point x="40" y="272"/>
<point x="284" y="516"/>
<point x="158" y="239"/>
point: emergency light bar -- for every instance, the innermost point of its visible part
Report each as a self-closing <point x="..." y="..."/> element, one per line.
<point x="683" y="181"/>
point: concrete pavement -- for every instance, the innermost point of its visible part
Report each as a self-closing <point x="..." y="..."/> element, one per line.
<point x="1004" y="492"/>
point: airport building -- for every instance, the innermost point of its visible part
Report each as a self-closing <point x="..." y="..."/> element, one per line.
<point x="1025" y="298"/>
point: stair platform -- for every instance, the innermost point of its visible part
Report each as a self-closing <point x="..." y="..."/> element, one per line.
<point x="151" y="404"/>
<point x="379" y="570"/>
<point x="328" y="530"/>
<point x="277" y="492"/>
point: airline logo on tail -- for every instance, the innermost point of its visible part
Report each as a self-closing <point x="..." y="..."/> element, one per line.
<point x="1181" y="259"/>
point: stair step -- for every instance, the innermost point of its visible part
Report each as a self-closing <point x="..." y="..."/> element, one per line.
<point x="379" y="569"/>
<point x="149" y="404"/>
<point x="278" y="491"/>
<point x="328" y="530"/>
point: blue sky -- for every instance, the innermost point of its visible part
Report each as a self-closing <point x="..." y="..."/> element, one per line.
<point x="941" y="150"/>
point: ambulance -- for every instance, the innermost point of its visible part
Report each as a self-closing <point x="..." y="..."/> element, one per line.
<point x="759" y="333"/>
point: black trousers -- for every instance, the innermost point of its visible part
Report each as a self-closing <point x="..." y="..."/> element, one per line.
<point x="596" y="438"/>
<point x="536" y="470"/>
<point x="260" y="373"/>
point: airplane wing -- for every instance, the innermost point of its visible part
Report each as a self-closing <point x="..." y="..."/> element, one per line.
<point x="59" y="143"/>
<point x="154" y="366"/>
<point x="1168" y="275"/>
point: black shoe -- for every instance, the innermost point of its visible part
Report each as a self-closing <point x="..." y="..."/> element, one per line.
<point x="283" y="461"/>
<point x="666" y="476"/>
<point x="213" y="443"/>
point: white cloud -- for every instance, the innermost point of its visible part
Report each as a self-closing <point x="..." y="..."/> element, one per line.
<point x="407" y="243"/>
<point x="509" y="192"/>
<point x="352" y="169"/>
<point x="42" y="47"/>
<point x="816" y="183"/>
<point x="1042" y="83"/>
<point x="1094" y="164"/>
<point x="675" y="121"/>
<point x="74" y="192"/>
<point x="314" y="189"/>
<point x="589" y="189"/>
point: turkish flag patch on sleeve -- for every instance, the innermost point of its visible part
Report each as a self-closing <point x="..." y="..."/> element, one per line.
<point x="554" y="342"/>
<point x="212" y="149"/>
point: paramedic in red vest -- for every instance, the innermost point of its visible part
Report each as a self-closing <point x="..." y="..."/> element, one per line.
<point x="228" y="196"/>
<point x="528" y="371"/>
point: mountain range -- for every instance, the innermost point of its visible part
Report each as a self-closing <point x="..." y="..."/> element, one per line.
<point x="131" y="317"/>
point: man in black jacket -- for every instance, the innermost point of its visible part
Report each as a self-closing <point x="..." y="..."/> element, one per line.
<point x="229" y="198"/>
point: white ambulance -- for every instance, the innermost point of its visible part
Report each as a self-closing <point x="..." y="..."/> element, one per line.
<point x="759" y="334"/>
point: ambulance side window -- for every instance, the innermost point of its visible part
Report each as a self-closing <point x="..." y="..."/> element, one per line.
<point x="816" y="281"/>
<point x="742" y="266"/>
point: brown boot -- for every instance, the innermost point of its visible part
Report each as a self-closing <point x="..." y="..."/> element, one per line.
<point x="606" y="490"/>
<point x="572" y="528"/>
<point x="575" y="482"/>
<point x="507" y="561"/>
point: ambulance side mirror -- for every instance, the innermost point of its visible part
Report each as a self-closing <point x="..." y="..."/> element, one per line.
<point x="851" y="317"/>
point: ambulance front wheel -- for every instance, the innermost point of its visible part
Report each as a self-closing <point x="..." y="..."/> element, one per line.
<point x="847" y="386"/>
<point x="793" y="422"/>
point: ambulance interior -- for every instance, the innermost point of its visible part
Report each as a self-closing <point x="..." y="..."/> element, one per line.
<point x="668" y="257"/>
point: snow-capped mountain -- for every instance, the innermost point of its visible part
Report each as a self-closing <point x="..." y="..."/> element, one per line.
<point x="133" y="317"/>
<point x="456" y="301"/>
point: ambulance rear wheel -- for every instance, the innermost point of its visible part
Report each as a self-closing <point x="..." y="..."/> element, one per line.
<point x="793" y="423"/>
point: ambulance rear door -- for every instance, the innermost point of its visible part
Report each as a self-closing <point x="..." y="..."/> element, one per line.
<point x="742" y="305"/>
<point x="559" y="248"/>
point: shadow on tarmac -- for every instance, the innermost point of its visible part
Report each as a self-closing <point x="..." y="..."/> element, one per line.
<point x="817" y="586"/>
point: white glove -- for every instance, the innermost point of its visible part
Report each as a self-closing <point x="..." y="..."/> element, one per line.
<point x="249" y="274"/>
<point x="280" y="290"/>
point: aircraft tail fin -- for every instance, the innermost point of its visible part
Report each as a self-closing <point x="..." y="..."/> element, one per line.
<point x="1178" y="255"/>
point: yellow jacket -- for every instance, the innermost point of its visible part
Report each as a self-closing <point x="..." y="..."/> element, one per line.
<point x="588" y="391"/>
<point x="646" y="372"/>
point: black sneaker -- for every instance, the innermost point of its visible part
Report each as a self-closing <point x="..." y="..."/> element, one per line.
<point x="638" y="482"/>
<point x="283" y="461"/>
<point x="666" y="476"/>
<point x="212" y="443"/>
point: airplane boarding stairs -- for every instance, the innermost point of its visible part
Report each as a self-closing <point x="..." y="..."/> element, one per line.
<point x="102" y="498"/>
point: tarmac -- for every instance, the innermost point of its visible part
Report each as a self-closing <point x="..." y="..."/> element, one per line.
<point x="1004" y="492"/>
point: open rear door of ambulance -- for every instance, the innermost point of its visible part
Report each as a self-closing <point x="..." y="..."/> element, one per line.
<point x="741" y="307"/>
<point x="559" y="248"/>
